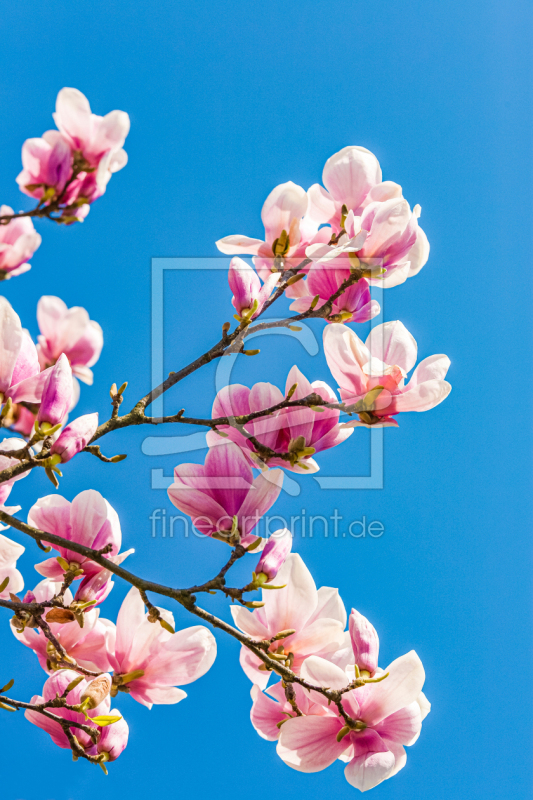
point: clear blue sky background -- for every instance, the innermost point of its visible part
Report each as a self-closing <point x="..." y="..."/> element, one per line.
<point x="226" y="101"/>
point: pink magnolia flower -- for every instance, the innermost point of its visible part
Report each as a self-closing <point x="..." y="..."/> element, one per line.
<point x="323" y="280"/>
<point x="274" y="555"/>
<point x="113" y="738"/>
<point x="364" y="641"/>
<point x="270" y="709"/>
<point x="21" y="378"/>
<point x="56" y="685"/>
<point x="69" y="331"/>
<point x="318" y="618"/>
<point x="384" y="360"/>
<point x="287" y="231"/>
<point x="57" y="393"/>
<point x="75" y="437"/>
<point x="249" y="296"/>
<point x="298" y="431"/>
<point x="159" y="659"/>
<point x="18" y="242"/>
<point x="9" y="553"/>
<point x="357" y="199"/>
<point x="94" y="588"/>
<point x="224" y="488"/>
<point x="46" y="165"/>
<point x="387" y="716"/>
<point x="87" y="645"/>
<point x="89" y="520"/>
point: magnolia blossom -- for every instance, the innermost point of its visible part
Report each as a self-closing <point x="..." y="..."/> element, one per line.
<point x="356" y="199"/>
<point x="354" y="304"/>
<point x="270" y="709"/>
<point x="317" y="618"/>
<point x="9" y="553"/>
<point x="75" y="437"/>
<point x="249" y="296"/>
<point x="221" y="497"/>
<point x="86" y="645"/>
<point x="89" y="520"/>
<point x="21" y="378"/>
<point x="18" y="242"/>
<point x="69" y="331"/>
<point x="90" y="144"/>
<point x="287" y="231"/>
<point x="386" y="716"/>
<point x="56" y="685"/>
<point x="274" y="555"/>
<point x="384" y="361"/>
<point x="57" y="393"/>
<point x="46" y="165"/>
<point x="149" y="661"/>
<point x="299" y="431"/>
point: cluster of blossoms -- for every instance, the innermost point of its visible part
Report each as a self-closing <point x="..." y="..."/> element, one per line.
<point x="324" y="249"/>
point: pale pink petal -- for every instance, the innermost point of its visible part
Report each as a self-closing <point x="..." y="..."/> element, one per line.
<point x="309" y="744"/>
<point x="284" y="204"/>
<point x="330" y="605"/>
<point x="11" y="339"/>
<point x="320" y="672"/>
<point x="346" y="355"/>
<point x="419" y="253"/>
<point x="262" y="495"/>
<point x="291" y="607"/>
<point x="372" y="762"/>
<point x="403" y="726"/>
<point x="184" y="658"/>
<point x="238" y="243"/>
<point x="350" y="174"/>
<point x="248" y="622"/>
<point x="265" y="715"/>
<point x="421" y="397"/>
<point x="130" y="617"/>
<point x="431" y="368"/>
<point x="401" y="687"/>
<point x="392" y="343"/>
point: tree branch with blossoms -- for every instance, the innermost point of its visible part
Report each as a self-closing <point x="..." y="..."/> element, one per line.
<point x="324" y="249"/>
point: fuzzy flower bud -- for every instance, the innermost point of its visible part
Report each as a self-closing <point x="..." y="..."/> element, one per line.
<point x="273" y="556"/>
<point x="365" y="642"/>
<point x="96" y="691"/>
<point x="75" y="437"/>
<point x="57" y="393"/>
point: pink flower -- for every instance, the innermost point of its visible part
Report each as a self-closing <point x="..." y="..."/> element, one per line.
<point x="114" y="738"/>
<point x="317" y="617"/>
<point x="161" y="659"/>
<point x="18" y="242"/>
<point x="357" y="199"/>
<point x="21" y="378"/>
<point x="69" y="331"/>
<point x="387" y="715"/>
<point x="351" y="177"/>
<point x="274" y="555"/>
<point x="56" y="685"/>
<point x="95" y="588"/>
<point x="93" y="136"/>
<point x="57" y="393"/>
<point x="365" y="642"/>
<point x="287" y="231"/>
<point x="300" y="431"/>
<point x="75" y="437"/>
<point x="323" y="280"/>
<point x="249" y="296"/>
<point x="384" y="360"/>
<point x="9" y="553"/>
<point x="87" y="645"/>
<point x="46" y="165"/>
<point x="268" y="715"/>
<point x="224" y="488"/>
<point x="88" y="520"/>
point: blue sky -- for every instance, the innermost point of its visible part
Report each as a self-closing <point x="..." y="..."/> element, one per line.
<point x="226" y="102"/>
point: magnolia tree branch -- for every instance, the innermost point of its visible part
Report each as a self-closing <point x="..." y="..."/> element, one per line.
<point x="186" y="598"/>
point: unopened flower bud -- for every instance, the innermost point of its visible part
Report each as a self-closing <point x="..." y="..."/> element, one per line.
<point x="57" y="393"/>
<point x="96" y="691"/>
<point x="113" y="738"/>
<point x="273" y="556"/>
<point x="365" y="642"/>
<point x="75" y="437"/>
